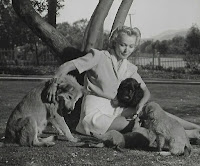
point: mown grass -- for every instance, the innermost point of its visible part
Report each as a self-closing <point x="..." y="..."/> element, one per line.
<point x="181" y="100"/>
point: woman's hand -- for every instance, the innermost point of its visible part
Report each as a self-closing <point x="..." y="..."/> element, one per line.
<point x="51" y="92"/>
<point x="143" y="101"/>
<point x="114" y="102"/>
<point x="139" y="109"/>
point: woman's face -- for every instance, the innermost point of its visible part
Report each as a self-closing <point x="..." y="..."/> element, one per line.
<point x="124" y="46"/>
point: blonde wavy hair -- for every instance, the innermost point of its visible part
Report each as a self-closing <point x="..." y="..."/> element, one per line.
<point x="124" y="29"/>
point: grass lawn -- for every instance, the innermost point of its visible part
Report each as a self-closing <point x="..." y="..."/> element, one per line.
<point x="181" y="100"/>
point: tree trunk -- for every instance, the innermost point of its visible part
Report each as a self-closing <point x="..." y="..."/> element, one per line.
<point x="95" y="28"/>
<point x="36" y="54"/>
<point x="99" y="43"/>
<point x="122" y="13"/>
<point x="52" y="4"/>
<point x="55" y="40"/>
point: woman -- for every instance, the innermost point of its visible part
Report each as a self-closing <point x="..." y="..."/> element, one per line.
<point x="104" y="72"/>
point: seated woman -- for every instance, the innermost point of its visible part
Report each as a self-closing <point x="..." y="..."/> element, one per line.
<point x="104" y="72"/>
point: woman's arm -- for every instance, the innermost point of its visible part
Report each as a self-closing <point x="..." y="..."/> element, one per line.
<point x="144" y="100"/>
<point x="62" y="70"/>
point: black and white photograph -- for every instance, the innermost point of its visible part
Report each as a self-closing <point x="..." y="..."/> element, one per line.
<point x="99" y="82"/>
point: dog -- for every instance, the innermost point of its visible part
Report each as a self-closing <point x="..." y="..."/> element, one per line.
<point x="31" y="115"/>
<point x="164" y="128"/>
<point x="139" y="138"/>
<point x="129" y="93"/>
<point x="158" y="124"/>
<point x="167" y="130"/>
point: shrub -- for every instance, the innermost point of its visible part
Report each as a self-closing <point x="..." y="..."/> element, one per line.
<point x="28" y="70"/>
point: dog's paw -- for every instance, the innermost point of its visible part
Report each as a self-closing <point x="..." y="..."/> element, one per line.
<point x="48" y="144"/>
<point x="197" y="134"/>
<point x="99" y="145"/>
<point x="164" y="153"/>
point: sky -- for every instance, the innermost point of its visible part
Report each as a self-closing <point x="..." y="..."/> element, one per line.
<point x="152" y="17"/>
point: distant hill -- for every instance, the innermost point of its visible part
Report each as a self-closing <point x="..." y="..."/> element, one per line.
<point x="168" y="35"/>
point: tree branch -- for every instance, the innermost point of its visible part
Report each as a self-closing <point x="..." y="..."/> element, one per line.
<point x="95" y="29"/>
<point x="40" y="27"/>
<point x="122" y="13"/>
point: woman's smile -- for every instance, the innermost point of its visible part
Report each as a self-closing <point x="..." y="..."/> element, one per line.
<point x="124" y="46"/>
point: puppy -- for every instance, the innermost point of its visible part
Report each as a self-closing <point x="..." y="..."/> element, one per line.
<point x="166" y="129"/>
<point x="129" y="93"/>
<point x="160" y="126"/>
<point x="139" y="138"/>
<point x="32" y="114"/>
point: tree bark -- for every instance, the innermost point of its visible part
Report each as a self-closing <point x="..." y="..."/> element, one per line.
<point x="55" y="40"/>
<point x="122" y="13"/>
<point x="52" y="4"/>
<point x="95" y="28"/>
<point x="99" y="43"/>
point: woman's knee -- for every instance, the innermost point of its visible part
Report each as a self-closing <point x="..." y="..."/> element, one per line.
<point x="128" y="112"/>
<point x="118" y="123"/>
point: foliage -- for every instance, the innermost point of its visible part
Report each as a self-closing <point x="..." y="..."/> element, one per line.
<point x="192" y="61"/>
<point x="181" y="71"/>
<point x="193" y="40"/>
<point x="41" y="6"/>
<point x="74" y="33"/>
<point x="174" y="46"/>
<point x="188" y="46"/>
<point x="162" y="47"/>
<point x="13" y="31"/>
<point x="193" y="48"/>
<point x="146" y="47"/>
<point x="28" y="70"/>
<point x="106" y="40"/>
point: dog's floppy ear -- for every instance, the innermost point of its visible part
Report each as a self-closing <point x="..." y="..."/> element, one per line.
<point x="151" y="115"/>
<point x="137" y="85"/>
<point x="147" y="113"/>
